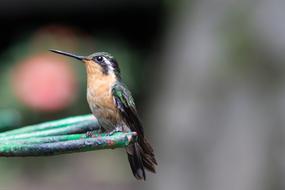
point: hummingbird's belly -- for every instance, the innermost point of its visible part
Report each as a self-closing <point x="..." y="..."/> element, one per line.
<point x="104" y="110"/>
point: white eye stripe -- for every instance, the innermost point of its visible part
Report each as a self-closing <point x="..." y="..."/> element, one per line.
<point x="108" y="63"/>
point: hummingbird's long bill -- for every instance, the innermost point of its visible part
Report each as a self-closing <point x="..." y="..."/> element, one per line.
<point x="81" y="58"/>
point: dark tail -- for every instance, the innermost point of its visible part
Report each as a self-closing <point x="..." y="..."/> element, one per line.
<point x="141" y="157"/>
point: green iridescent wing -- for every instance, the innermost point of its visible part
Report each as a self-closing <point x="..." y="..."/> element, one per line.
<point x="140" y="154"/>
<point x="125" y="103"/>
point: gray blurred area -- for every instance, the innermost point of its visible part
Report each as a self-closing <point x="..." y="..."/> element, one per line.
<point x="218" y="111"/>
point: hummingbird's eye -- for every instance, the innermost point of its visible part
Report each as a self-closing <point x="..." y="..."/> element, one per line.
<point x="99" y="59"/>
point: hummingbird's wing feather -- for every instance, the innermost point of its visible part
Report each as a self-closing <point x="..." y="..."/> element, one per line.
<point x="125" y="103"/>
<point x="140" y="154"/>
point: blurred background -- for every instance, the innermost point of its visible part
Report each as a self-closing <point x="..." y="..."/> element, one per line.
<point x="207" y="77"/>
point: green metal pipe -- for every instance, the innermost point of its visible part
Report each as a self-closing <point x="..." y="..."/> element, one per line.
<point x="49" y="139"/>
<point x="78" y="127"/>
<point x="50" y="125"/>
<point x="117" y="140"/>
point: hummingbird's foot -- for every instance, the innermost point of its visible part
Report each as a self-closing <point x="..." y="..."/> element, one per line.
<point x="117" y="129"/>
<point x="89" y="134"/>
<point x="95" y="132"/>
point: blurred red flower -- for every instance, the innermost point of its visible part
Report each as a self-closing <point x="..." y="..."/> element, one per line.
<point x="45" y="82"/>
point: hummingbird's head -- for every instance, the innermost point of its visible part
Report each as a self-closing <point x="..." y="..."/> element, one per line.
<point x="97" y="63"/>
<point x="106" y="61"/>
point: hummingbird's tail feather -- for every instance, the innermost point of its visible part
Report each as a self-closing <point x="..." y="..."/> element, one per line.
<point x="135" y="160"/>
<point x="141" y="157"/>
<point x="148" y="156"/>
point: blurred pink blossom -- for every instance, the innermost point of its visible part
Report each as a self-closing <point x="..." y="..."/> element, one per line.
<point x="44" y="82"/>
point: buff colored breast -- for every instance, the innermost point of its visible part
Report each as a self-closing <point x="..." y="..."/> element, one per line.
<point x="99" y="93"/>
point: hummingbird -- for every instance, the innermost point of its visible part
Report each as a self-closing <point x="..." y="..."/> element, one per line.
<point x="112" y="104"/>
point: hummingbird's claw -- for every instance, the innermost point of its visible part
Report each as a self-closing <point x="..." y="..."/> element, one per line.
<point x="89" y="134"/>
<point x="116" y="130"/>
